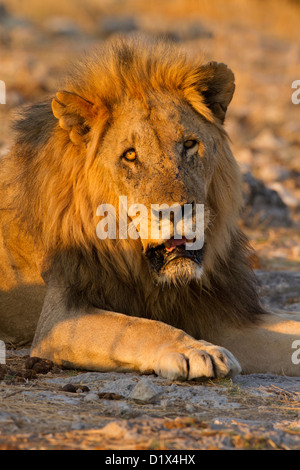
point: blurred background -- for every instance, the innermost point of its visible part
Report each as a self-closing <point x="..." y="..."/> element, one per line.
<point x="258" y="40"/>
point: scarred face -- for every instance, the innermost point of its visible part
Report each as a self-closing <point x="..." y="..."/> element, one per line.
<point x="161" y="165"/>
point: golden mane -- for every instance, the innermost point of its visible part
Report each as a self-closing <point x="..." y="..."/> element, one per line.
<point x="137" y="68"/>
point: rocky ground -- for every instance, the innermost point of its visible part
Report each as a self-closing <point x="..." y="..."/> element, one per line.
<point x="91" y="410"/>
<point x="129" y="411"/>
<point x="44" y="407"/>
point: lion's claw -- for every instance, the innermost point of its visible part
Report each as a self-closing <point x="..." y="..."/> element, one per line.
<point x="205" y="361"/>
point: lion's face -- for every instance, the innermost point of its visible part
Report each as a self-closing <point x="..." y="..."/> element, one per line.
<point x="162" y="153"/>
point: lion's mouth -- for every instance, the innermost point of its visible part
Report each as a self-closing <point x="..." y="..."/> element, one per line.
<point x="161" y="255"/>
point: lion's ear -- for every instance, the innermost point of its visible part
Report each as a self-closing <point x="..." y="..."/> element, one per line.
<point x="217" y="87"/>
<point x="74" y="114"/>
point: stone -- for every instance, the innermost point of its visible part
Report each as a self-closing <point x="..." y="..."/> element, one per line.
<point x="90" y="397"/>
<point x="145" y="391"/>
<point x="263" y="205"/>
<point x="288" y="198"/>
<point x="189" y="408"/>
<point x="78" y="426"/>
<point x="120" y="385"/>
<point x="121" y="409"/>
<point x="279" y="289"/>
<point x="18" y="352"/>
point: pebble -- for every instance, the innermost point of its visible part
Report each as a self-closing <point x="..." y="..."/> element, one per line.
<point x="263" y="206"/>
<point x="90" y="397"/>
<point x="69" y="388"/>
<point x="288" y="198"/>
<point x="121" y="409"/>
<point x="145" y="391"/>
<point x="78" y="426"/>
<point x="189" y="408"/>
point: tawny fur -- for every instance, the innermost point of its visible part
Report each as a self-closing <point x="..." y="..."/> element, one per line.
<point x="67" y="160"/>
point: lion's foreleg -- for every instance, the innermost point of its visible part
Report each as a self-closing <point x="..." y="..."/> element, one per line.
<point x="102" y="340"/>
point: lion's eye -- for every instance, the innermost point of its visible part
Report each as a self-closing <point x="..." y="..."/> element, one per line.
<point x="190" y="144"/>
<point x="129" y="155"/>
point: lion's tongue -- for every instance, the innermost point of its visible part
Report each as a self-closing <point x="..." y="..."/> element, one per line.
<point x="173" y="243"/>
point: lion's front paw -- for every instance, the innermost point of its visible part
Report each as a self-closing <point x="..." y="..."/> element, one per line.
<point x="204" y="361"/>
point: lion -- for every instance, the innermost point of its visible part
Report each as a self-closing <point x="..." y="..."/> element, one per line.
<point x="144" y="120"/>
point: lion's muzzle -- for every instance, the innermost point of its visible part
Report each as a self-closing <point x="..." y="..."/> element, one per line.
<point x="173" y="250"/>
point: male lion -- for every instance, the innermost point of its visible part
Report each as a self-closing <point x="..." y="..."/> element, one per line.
<point x="141" y="120"/>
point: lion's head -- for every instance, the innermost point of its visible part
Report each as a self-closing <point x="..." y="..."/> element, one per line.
<point x="141" y="120"/>
<point x="149" y="122"/>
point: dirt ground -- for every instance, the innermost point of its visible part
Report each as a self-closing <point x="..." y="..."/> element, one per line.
<point x="260" y="42"/>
